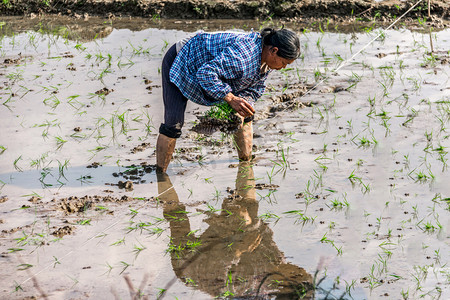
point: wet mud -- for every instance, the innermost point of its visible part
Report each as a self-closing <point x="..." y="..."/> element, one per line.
<point x="75" y="205"/>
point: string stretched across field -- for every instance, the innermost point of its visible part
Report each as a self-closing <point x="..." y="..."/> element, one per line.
<point x="359" y="51"/>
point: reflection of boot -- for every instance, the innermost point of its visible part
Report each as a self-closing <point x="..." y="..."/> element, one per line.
<point x="165" y="188"/>
<point x="245" y="181"/>
<point x="245" y="205"/>
<point x="173" y="210"/>
<point x="164" y="150"/>
<point x="244" y="141"/>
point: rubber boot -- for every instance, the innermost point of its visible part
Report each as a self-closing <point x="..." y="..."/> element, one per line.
<point x="164" y="150"/>
<point x="243" y="139"/>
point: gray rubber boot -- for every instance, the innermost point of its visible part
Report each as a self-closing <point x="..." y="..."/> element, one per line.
<point x="243" y="139"/>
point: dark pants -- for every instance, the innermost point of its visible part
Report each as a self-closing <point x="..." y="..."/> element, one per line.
<point x="174" y="101"/>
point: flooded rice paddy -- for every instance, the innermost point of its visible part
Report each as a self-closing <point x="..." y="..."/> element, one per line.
<point x="348" y="196"/>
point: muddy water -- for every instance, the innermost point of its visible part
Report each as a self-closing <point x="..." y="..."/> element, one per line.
<point x="348" y="191"/>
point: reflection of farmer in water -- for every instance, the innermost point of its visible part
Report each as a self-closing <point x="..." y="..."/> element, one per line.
<point x="236" y="254"/>
<point x="212" y="68"/>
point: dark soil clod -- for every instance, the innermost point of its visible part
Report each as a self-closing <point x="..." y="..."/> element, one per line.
<point x="140" y="148"/>
<point x="127" y="185"/>
<point x="62" y="231"/>
<point x="104" y="91"/>
<point x="208" y="125"/>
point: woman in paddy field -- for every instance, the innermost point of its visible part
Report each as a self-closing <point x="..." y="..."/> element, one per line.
<point x="211" y="68"/>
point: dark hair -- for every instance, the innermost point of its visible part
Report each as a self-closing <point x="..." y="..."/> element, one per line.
<point x="285" y="40"/>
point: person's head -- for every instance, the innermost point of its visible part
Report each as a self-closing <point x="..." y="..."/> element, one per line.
<point x="280" y="47"/>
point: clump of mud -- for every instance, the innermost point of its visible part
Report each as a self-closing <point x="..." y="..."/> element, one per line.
<point x="35" y="200"/>
<point x="208" y="125"/>
<point x="62" y="231"/>
<point x="73" y="204"/>
<point x="104" y="91"/>
<point x="94" y="165"/>
<point x="13" y="61"/>
<point x="127" y="185"/>
<point x="269" y="186"/>
<point x="3" y="199"/>
<point x="140" y="148"/>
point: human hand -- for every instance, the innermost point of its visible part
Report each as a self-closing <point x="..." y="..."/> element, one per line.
<point x="240" y="105"/>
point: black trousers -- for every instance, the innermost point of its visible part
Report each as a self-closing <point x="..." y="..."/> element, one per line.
<point x="174" y="101"/>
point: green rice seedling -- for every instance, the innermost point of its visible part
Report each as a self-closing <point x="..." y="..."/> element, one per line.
<point x="217" y="194"/>
<point x="353" y="178"/>
<point x="165" y="46"/>
<point x="119" y="242"/>
<point x="338" y="204"/>
<point x="339" y="60"/>
<point x="270" y="197"/>
<point x="176" y="250"/>
<point x="365" y="188"/>
<point x="80" y="47"/>
<point x="129" y="63"/>
<point x="59" y="142"/>
<point x="137" y="249"/>
<point x="271" y="175"/>
<point x="350" y="286"/>
<point x="221" y="111"/>
<point x="429" y="60"/>
<point x="300" y="217"/>
<point x="125" y="266"/>
<point x="192" y="245"/>
<point x="161" y="293"/>
<point x="2" y="149"/>
<point x="23" y="267"/>
<point x="148" y="124"/>
<point x="386" y="125"/>
<point x="282" y="159"/>
<point x="354" y="79"/>
<point x="123" y="119"/>
<point x="318" y="180"/>
<point x="44" y="174"/>
<point x="8" y="4"/>
<point x="269" y="216"/>
<point x="139" y="50"/>
<point x="318" y="75"/>
<point x="326" y="240"/>
<point x="421" y="176"/>
<point x="16" y="161"/>
<point x="12" y="250"/>
<point x="415" y="82"/>
<point x="190" y="282"/>
<point x="385" y="89"/>
<point x="84" y="222"/>
<point x="109" y="268"/>
<point x="57" y="262"/>
<point x="364" y="142"/>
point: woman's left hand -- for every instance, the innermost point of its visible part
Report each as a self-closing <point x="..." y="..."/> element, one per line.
<point x="240" y="105"/>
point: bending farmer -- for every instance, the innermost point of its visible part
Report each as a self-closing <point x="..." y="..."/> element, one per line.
<point x="213" y="67"/>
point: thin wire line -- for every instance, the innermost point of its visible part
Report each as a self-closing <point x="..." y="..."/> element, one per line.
<point x="89" y="239"/>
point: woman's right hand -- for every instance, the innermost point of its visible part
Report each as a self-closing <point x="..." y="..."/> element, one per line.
<point x="240" y="105"/>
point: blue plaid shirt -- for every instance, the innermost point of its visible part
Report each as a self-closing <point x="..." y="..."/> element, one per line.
<point x="210" y="65"/>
